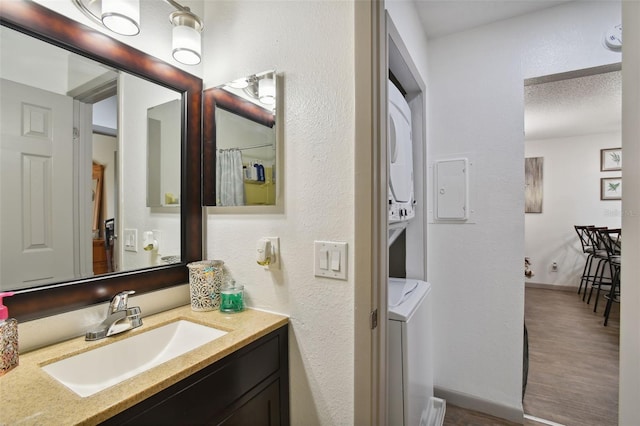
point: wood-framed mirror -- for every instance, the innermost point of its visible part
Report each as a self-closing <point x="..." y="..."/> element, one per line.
<point x="242" y="152"/>
<point x="43" y="24"/>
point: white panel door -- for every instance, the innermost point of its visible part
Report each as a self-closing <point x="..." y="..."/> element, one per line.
<point x="36" y="186"/>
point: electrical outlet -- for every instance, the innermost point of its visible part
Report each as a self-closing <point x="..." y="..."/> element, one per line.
<point x="554" y="266"/>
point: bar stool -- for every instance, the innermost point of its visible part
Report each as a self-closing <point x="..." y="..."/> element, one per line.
<point x="598" y="279"/>
<point x="611" y="240"/>
<point x="587" y="248"/>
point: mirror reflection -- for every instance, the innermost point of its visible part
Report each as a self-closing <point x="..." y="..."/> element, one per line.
<point x="73" y="167"/>
<point x="245" y="140"/>
<point x="163" y="148"/>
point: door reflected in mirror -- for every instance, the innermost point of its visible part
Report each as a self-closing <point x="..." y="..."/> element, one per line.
<point x="241" y="123"/>
<point x="72" y="156"/>
<point x="163" y="149"/>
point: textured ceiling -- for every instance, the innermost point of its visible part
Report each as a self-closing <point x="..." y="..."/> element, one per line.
<point x="568" y="107"/>
<point x="442" y="17"/>
<point x="572" y="107"/>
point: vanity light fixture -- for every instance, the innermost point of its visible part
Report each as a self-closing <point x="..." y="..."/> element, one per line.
<point x="258" y="88"/>
<point x="261" y="87"/>
<point x="267" y="90"/>
<point x="123" y="17"/>
<point x="187" y="46"/>
<point x="239" y="83"/>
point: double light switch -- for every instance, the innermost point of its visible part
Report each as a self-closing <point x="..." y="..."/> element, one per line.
<point x="330" y="259"/>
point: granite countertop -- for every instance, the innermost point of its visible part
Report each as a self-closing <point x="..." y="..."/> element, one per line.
<point x="29" y="396"/>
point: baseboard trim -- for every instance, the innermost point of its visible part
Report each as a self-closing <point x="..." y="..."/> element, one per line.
<point x="471" y="402"/>
<point x="552" y="287"/>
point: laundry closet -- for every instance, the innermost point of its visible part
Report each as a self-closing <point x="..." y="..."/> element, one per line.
<point x="409" y="326"/>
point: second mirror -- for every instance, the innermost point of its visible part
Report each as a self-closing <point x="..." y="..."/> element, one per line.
<point x="241" y="150"/>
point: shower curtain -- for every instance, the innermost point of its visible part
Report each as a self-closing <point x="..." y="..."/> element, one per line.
<point x="229" y="182"/>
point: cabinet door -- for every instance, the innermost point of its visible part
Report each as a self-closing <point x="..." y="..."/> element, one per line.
<point x="262" y="410"/>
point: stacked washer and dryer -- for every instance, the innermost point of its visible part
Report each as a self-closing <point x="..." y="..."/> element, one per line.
<point x="410" y="360"/>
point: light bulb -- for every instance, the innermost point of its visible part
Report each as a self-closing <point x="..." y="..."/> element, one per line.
<point x="187" y="45"/>
<point x="121" y="16"/>
<point x="239" y="83"/>
<point x="267" y="91"/>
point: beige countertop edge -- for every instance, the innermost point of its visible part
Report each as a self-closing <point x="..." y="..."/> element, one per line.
<point x="28" y="395"/>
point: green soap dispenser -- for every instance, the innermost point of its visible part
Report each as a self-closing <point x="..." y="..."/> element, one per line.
<point x="8" y="338"/>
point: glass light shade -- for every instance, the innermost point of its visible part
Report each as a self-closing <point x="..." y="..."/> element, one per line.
<point x="267" y="91"/>
<point x="239" y="83"/>
<point x="121" y="16"/>
<point x="186" y="45"/>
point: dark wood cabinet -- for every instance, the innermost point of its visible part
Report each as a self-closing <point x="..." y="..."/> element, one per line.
<point x="248" y="387"/>
<point x="261" y="410"/>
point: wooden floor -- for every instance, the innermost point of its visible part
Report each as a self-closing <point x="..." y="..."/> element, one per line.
<point x="456" y="416"/>
<point x="573" y="359"/>
<point x="573" y="364"/>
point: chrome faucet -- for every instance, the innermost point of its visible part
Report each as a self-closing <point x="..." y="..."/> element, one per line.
<point x="119" y="318"/>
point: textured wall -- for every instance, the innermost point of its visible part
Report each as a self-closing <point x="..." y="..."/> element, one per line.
<point x="311" y="46"/>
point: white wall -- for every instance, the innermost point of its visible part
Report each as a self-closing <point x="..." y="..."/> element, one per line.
<point x="476" y="108"/>
<point x="140" y="95"/>
<point x="571" y="196"/>
<point x="311" y="46"/>
<point x="629" y="409"/>
<point x="105" y="113"/>
<point x="167" y="168"/>
<point x="235" y="131"/>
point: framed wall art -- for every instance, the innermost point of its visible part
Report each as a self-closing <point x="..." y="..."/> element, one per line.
<point x="610" y="159"/>
<point x="533" y="167"/>
<point x="611" y="188"/>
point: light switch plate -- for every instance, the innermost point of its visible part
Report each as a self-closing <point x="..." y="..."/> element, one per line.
<point x="331" y="250"/>
<point x="131" y="240"/>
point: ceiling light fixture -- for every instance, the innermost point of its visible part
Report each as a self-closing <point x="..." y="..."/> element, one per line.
<point x="123" y="17"/>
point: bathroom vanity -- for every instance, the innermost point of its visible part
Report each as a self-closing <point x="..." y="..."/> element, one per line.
<point x="239" y="378"/>
<point x="247" y="387"/>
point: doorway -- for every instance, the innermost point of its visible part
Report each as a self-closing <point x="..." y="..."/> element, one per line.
<point x="572" y="125"/>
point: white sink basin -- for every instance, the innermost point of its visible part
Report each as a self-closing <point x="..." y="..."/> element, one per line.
<point x="100" y="368"/>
